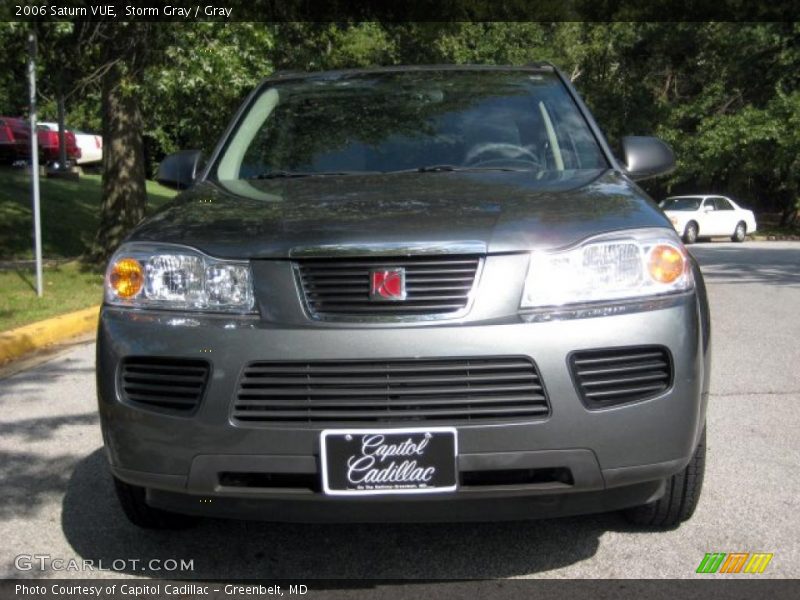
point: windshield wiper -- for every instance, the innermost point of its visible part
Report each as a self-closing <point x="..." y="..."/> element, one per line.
<point x="449" y="168"/>
<point x="437" y="168"/>
<point x="280" y="174"/>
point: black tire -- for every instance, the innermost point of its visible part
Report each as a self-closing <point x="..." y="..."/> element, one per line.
<point x="679" y="501"/>
<point x="138" y="512"/>
<point x="740" y="233"/>
<point x="690" y="233"/>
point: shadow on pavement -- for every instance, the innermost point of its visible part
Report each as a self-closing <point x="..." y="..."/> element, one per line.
<point x="44" y="428"/>
<point x="29" y="481"/>
<point x="745" y="263"/>
<point x="95" y="527"/>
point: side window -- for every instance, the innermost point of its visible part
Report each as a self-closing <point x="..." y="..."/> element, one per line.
<point x="723" y="204"/>
<point x="708" y="204"/>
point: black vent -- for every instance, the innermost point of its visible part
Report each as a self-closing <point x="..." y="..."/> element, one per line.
<point x="459" y="390"/>
<point x="434" y="284"/>
<point x="613" y="376"/>
<point x="515" y="477"/>
<point x="164" y="384"/>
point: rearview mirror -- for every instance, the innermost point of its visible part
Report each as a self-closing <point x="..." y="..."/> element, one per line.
<point x="647" y="157"/>
<point x="179" y="170"/>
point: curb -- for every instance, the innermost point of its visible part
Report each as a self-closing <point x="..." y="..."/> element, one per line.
<point x="776" y="238"/>
<point x="19" y="341"/>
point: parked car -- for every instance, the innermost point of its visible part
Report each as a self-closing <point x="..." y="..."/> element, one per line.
<point x="407" y="293"/>
<point x="707" y="216"/>
<point x="15" y="139"/>
<point x="90" y="145"/>
<point x="49" y="143"/>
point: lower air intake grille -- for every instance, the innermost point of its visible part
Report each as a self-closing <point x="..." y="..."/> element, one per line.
<point x="164" y="384"/>
<point x="613" y="376"/>
<point x="456" y="390"/>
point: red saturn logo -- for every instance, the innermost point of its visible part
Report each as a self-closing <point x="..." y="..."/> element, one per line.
<point x="387" y="284"/>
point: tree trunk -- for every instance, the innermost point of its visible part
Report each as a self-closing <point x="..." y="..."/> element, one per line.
<point x="789" y="215"/>
<point x="62" y="136"/>
<point x="124" y="192"/>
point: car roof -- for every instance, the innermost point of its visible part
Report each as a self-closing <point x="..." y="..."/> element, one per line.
<point x="536" y="67"/>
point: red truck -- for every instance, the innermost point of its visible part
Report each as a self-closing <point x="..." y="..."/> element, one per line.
<point x="15" y="142"/>
<point x="15" y="139"/>
<point x="48" y="144"/>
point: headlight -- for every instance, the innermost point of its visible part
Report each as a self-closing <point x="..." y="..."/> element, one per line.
<point x="177" y="277"/>
<point x="625" y="265"/>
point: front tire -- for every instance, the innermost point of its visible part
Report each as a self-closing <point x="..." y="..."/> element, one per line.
<point x="740" y="233"/>
<point x="141" y="514"/>
<point x="690" y="233"/>
<point x="681" y="498"/>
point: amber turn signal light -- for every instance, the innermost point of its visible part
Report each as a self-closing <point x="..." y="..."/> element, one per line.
<point x="127" y="277"/>
<point x="666" y="263"/>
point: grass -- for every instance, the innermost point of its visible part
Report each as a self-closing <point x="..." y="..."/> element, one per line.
<point x="70" y="213"/>
<point x="67" y="287"/>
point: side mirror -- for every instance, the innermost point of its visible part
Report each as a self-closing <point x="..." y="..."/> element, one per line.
<point x="647" y="157"/>
<point x="179" y="170"/>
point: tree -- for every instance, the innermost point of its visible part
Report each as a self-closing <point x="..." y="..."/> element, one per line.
<point x="126" y="50"/>
<point x="162" y="71"/>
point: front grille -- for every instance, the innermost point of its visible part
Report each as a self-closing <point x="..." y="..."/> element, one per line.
<point x="435" y="285"/>
<point x="457" y="390"/>
<point x="164" y="384"/>
<point x="613" y="376"/>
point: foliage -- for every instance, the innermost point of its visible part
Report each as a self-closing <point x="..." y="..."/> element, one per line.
<point x="190" y="94"/>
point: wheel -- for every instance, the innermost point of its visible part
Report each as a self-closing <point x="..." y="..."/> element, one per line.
<point x="679" y="501"/>
<point x="740" y="232"/>
<point x="690" y="233"/>
<point x="138" y="512"/>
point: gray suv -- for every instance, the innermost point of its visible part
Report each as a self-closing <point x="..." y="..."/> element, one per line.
<point x="407" y="294"/>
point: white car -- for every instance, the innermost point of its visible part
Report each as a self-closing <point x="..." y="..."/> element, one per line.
<point x="708" y="216"/>
<point x="91" y="145"/>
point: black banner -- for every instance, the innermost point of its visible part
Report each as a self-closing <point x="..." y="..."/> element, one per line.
<point x="141" y="589"/>
<point x="417" y="10"/>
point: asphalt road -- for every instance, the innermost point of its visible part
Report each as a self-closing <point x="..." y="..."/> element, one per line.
<point x="56" y="496"/>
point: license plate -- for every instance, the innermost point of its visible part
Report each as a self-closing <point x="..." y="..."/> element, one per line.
<point x="358" y="462"/>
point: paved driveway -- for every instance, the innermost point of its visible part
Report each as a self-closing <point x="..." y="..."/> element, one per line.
<point x="56" y="496"/>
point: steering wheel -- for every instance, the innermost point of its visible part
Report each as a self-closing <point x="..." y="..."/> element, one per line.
<point x="503" y="154"/>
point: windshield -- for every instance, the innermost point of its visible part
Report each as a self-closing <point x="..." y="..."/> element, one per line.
<point x="681" y="203"/>
<point x="411" y="120"/>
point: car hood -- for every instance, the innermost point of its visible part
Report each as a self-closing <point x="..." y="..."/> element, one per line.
<point x="481" y="212"/>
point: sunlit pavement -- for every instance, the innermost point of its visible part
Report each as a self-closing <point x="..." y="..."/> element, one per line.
<point x="56" y="496"/>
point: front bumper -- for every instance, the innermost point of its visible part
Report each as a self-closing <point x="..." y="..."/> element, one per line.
<point x="619" y="456"/>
